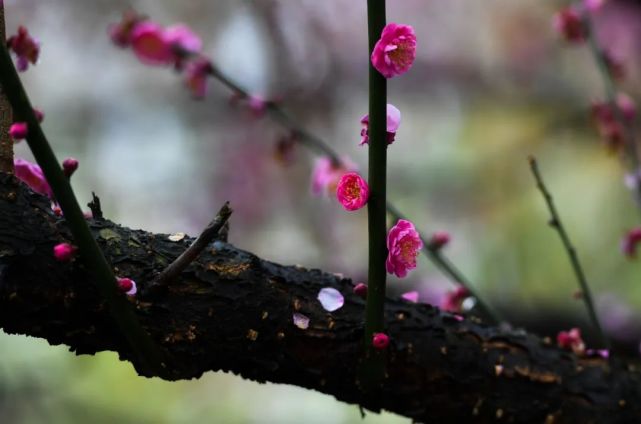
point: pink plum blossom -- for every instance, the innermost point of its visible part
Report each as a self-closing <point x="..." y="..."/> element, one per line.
<point x="571" y="340"/>
<point x="127" y="286"/>
<point x="393" y="122"/>
<point x="568" y="23"/>
<point x="360" y="290"/>
<point x="183" y="39"/>
<point x="32" y="175"/>
<point x="327" y="173"/>
<point x="196" y="73"/>
<point x="150" y="44"/>
<point x="26" y="48"/>
<point x="69" y="166"/>
<point x="18" y="131"/>
<point x="352" y="191"/>
<point x="395" y="51"/>
<point x="403" y="245"/>
<point x="331" y="299"/>
<point x="410" y="296"/>
<point x="120" y="33"/>
<point x="453" y="300"/>
<point x="380" y="341"/>
<point x="64" y="252"/>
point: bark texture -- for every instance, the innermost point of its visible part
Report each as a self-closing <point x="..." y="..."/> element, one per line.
<point x="232" y="311"/>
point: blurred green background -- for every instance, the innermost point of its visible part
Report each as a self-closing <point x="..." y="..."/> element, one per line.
<point x="492" y="83"/>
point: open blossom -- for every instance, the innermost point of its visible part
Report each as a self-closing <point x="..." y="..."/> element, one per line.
<point x="403" y="245"/>
<point x="155" y="45"/>
<point x="395" y="51"/>
<point x="25" y="47"/>
<point x="196" y="73"/>
<point x="380" y="341"/>
<point x="127" y="286"/>
<point x="630" y="242"/>
<point x="64" y="252"/>
<point x="18" y="131"/>
<point x="393" y="122"/>
<point x="571" y="340"/>
<point x="352" y="191"/>
<point x="327" y="173"/>
<point x="32" y="175"/>
<point x="453" y="300"/>
<point x="568" y="23"/>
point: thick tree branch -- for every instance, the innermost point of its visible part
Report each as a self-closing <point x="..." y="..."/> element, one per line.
<point x="232" y="311"/>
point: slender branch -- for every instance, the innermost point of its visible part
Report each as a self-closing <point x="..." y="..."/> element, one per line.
<point x="373" y="368"/>
<point x="174" y="269"/>
<point x="146" y="351"/>
<point x="567" y="244"/>
<point x="6" y="144"/>
<point x="611" y="96"/>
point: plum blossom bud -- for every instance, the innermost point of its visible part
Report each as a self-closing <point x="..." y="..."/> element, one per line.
<point x="64" y="252"/>
<point x="607" y="121"/>
<point x="568" y="23"/>
<point x="352" y="191"/>
<point x="395" y="51"/>
<point x="26" y="48"/>
<point x="571" y="340"/>
<point x="380" y="341"/>
<point x="453" y="300"/>
<point x="403" y="245"/>
<point x="257" y="105"/>
<point x="360" y="290"/>
<point x="196" y="73"/>
<point x="439" y="239"/>
<point x="32" y="175"/>
<point x="327" y="173"/>
<point x="393" y="122"/>
<point x="18" y="131"/>
<point x="127" y="286"/>
<point x="69" y="166"/>
<point x="40" y="116"/>
<point x="630" y="242"/>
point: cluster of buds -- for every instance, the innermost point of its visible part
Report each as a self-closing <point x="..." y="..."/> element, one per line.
<point x="571" y="340"/>
<point x="25" y="48"/>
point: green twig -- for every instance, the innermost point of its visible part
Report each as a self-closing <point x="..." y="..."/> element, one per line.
<point x="373" y="365"/>
<point x="556" y="223"/>
<point x="146" y="352"/>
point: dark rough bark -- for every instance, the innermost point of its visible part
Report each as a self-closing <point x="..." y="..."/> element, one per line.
<point x="232" y="311"/>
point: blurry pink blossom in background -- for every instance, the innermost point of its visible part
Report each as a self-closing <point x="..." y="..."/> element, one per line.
<point x="403" y="244"/>
<point x="196" y="74"/>
<point x="150" y="45"/>
<point x="326" y="174"/>
<point x="393" y="122"/>
<point x="395" y="51"/>
<point x="568" y="24"/>
<point x="439" y="239"/>
<point x="352" y="191"/>
<point x="453" y="299"/>
<point x="411" y="296"/>
<point x="630" y="242"/>
<point x="64" y="252"/>
<point x="31" y="174"/>
<point x="571" y="340"/>
<point x="26" y="48"/>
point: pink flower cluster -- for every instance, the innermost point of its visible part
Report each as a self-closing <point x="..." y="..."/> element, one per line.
<point x="403" y="245"/>
<point x="25" y="47"/>
<point x="156" y="45"/>
<point x="395" y="51"/>
<point x="393" y="122"/>
<point x="352" y="191"/>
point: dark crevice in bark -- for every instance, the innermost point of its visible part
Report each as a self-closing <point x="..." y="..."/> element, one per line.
<point x="232" y="311"/>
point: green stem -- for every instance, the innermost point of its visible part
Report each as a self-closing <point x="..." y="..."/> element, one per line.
<point x="373" y="371"/>
<point x="556" y="223"/>
<point x="146" y="352"/>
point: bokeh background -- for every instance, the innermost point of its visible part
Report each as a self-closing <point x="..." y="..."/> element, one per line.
<point x="492" y="83"/>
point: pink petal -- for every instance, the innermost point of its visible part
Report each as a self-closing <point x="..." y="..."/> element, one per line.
<point x="393" y="118"/>
<point x="331" y="299"/>
<point x="300" y="321"/>
<point x="411" y="296"/>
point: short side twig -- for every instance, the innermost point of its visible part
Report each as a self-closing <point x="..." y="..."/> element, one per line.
<point x="174" y="269"/>
<point x="94" y="206"/>
<point x="556" y="223"/>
